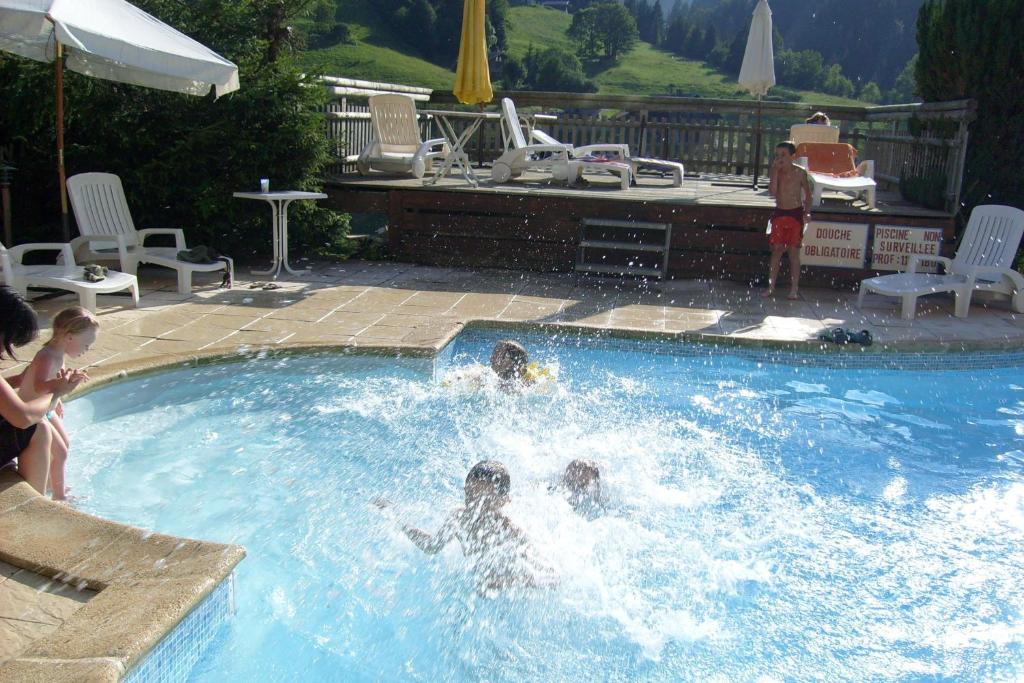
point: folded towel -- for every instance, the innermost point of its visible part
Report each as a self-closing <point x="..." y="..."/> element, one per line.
<point x="93" y="272"/>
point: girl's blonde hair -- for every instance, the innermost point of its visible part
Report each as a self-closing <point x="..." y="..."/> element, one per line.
<point x="72" y="321"/>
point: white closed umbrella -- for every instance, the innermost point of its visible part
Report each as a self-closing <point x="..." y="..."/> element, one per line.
<point x="757" y="74"/>
<point x="112" y="40"/>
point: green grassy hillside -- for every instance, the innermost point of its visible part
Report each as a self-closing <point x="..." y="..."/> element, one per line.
<point x="375" y="54"/>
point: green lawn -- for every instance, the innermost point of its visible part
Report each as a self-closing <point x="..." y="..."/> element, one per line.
<point x="375" y="54"/>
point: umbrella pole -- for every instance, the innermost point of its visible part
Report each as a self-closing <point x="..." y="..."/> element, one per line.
<point x="59" y="73"/>
<point x="757" y="143"/>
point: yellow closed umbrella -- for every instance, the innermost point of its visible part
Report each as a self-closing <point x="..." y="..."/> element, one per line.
<point x="472" y="76"/>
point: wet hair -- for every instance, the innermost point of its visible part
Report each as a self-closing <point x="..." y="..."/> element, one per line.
<point x="73" y="320"/>
<point x="787" y="144"/>
<point x="579" y="471"/>
<point x="491" y="472"/>
<point x="509" y="359"/>
<point x="18" y="322"/>
<point x="819" y="117"/>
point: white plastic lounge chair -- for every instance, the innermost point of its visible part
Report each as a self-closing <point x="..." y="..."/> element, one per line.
<point x="812" y="132"/>
<point x="861" y="179"/>
<point x="522" y="154"/>
<point x="397" y="146"/>
<point x="67" y="275"/>
<point x="101" y="212"/>
<point x="601" y="157"/>
<point x="984" y="261"/>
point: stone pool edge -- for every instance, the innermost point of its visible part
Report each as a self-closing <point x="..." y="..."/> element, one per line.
<point x="150" y="582"/>
<point x="147" y="584"/>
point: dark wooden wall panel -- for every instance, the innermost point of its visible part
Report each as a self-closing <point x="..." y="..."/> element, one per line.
<point x="540" y="231"/>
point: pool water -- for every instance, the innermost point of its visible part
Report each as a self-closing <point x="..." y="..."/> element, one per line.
<point x="766" y="521"/>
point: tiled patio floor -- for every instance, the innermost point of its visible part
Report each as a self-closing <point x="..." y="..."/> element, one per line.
<point x="418" y="308"/>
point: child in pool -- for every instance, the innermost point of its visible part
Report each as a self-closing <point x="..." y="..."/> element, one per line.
<point x="512" y="365"/>
<point x="497" y="547"/>
<point x="509" y="361"/>
<point x="582" y="485"/>
<point x="74" y="331"/>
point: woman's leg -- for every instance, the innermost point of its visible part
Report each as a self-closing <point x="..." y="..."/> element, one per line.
<point x="34" y="461"/>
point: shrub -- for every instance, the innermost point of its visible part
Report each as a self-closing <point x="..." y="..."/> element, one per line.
<point x="181" y="157"/>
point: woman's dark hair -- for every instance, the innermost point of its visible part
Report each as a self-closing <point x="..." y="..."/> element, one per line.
<point x="18" y="322"/>
<point x="493" y="472"/>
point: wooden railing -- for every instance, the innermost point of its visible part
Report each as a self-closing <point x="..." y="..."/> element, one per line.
<point x="707" y="135"/>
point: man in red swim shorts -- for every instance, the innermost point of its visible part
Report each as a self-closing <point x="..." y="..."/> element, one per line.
<point x="792" y="191"/>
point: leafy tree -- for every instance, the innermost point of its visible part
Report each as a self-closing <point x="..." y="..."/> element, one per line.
<point x="972" y="49"/>
<point x="870" y="92"/>
<point x="419" y="18"/>
<point x="905" y="89"/>
<point x="556" y="70"/>
<point x="181" y="157"/>
<point x="803" y="69"/>
<point x="835" y="83"/>
<point x="605" y="28"/>
<point x="513" y="73"/>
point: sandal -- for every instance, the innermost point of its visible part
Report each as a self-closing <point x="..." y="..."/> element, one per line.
<point x="837" y="336"/>
<point x="862" y="337"/>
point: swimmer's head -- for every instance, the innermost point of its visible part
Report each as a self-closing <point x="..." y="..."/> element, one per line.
<point x="487" y="482"/>
<point x="582" y="477"/>
<point x="509" y="360"/>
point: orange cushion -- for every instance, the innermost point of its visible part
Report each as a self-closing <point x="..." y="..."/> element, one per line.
<point x="829" y="158"/>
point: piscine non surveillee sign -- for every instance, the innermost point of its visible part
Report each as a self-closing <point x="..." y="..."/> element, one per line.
<point x="895" y="244"/>
<point x="844" y="245"/>
<point x="839" y="245"/>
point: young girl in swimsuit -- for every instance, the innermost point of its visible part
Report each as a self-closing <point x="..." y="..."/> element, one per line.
<point x="74" y="331"/>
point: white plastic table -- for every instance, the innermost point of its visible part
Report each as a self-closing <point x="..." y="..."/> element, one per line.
<point x="457" y="141"/>
<point x="279" y="202"/>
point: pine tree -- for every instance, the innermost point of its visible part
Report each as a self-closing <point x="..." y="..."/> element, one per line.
<point x="972" y="49"/>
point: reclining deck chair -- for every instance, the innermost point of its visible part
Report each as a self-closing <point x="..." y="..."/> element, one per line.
<point x="831" y="167"/>
<point x="601" y="157"/>
<point x="67" y="275"/>
<point x="101" y="212"/>
<point x="800" y="133"/>
<point x="397" y="146"/>
<point x="522" y="154"/>
<point x="984" y="261"/>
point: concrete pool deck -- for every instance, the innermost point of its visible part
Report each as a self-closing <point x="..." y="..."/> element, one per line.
<point x="86" y="599"/>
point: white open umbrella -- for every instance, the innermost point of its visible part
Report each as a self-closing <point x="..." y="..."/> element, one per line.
<point x="112" y="40"/>
<point x="757" y="73"/>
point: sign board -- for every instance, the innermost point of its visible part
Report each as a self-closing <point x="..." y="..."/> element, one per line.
<point x="895" y="244"/>
<point x="838" y="245"/>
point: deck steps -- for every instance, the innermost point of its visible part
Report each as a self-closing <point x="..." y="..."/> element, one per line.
<point x="624" y="248"/>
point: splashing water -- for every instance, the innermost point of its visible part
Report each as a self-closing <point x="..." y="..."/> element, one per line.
<point x="764" y="521"/>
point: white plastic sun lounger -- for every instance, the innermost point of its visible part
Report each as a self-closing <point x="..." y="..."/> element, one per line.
<point x="984" y="261"/>
<point x="102" y="214"/>
<point x="397" y="146"/>
<point x="67" y="276"/>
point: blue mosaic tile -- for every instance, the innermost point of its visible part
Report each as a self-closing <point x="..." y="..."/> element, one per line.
<point x="174" y="657"/>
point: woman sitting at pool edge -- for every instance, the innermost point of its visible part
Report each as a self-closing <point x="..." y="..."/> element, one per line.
<point x="24" y="435"/>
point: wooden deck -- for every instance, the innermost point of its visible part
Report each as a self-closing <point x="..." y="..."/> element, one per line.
<point x="717" y="222"/>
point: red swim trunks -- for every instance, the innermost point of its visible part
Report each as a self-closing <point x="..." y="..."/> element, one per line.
<point x="787" y="227"/>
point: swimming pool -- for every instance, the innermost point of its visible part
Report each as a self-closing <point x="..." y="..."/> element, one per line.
<point x="766" y="519"/>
